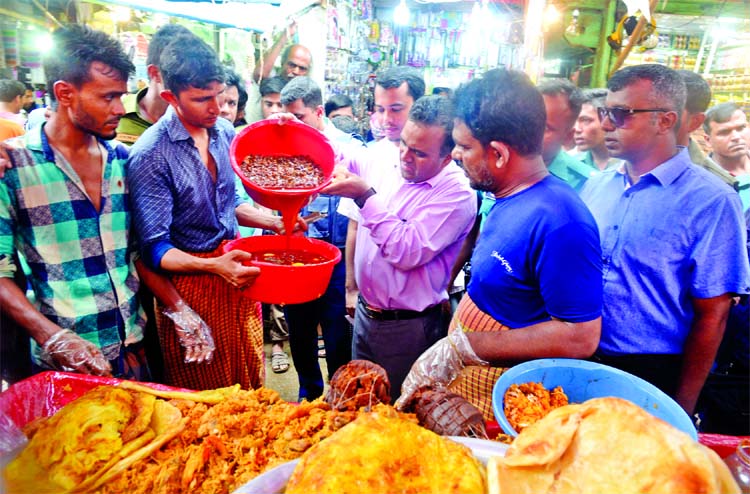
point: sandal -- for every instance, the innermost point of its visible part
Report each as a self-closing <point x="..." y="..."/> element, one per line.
<point x="279" y="362"/>
<point x="321" y="348"/>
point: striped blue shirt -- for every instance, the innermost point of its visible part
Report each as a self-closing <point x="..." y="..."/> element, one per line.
<point x="176" y="203"/>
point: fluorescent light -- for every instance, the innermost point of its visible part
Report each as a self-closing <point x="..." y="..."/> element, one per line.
<point x="401" y="14"/>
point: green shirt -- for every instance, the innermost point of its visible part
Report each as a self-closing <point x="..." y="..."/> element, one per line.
<point x="132" y="124"/>
<point x="743" y="187"/>
<point x="575" y="170"/>
<point x="81" y="259"/>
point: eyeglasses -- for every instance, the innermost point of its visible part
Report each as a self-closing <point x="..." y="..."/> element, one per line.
<point x="618" y="116"/>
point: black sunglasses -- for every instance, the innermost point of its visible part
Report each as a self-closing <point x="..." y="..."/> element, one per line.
<point x="618" y="116"/>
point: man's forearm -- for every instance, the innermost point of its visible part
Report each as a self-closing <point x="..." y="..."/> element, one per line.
<point x="700" y="348"/>
<point x="546" y="339"/>
<point x="177" y="261"/>
<point x="15" y="305"/>
<point x="250" y="216"/>
<point x="160" y="285"/>
<point x="263" y="68"/>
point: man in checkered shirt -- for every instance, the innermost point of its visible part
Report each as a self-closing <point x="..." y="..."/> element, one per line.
<point x="64" y="210"/>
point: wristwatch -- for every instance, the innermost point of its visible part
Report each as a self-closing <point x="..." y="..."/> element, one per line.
<point x="360" y="200"/>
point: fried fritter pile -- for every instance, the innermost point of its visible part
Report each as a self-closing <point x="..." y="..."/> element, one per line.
<point x="91" y="440"/>
<point x="226" y="444"/>
<point x="528" y="402"/>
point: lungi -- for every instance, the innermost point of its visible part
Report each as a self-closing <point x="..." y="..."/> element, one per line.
<point x="237" y="328"/>
<point x="475" y="383"/>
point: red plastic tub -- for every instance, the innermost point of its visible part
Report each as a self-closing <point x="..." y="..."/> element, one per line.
<point x="271" y="138"/>
<point x="285" y="284"/>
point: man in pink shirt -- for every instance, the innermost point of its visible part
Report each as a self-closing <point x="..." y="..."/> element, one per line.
<point x="408" y="239"/>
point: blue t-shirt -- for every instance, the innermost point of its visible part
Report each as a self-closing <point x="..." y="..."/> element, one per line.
<point x="538" y="257"/>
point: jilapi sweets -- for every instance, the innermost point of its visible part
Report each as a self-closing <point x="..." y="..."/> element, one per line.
<point x="282" y="172"/>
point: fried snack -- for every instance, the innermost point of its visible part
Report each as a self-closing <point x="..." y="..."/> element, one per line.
<point x="607" y="445"/>
<point x="226" y="444"/>
<point x="448" y="414"/>
<point x="77" y="448"/>
<point x="526" y="403"/>
<point x="359" y="384"/>
<point x="377" y="454"/>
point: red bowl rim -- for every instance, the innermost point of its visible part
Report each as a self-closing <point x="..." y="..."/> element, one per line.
<point x="298" y="125"/>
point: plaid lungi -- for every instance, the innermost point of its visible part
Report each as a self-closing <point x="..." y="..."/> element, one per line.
<point x="475" y="383"/>
<point x="237" y="328"/>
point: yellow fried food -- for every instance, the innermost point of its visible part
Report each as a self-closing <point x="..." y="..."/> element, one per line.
<point x="607" y="445"/>
<point x="379" y="454"/>
<point x="75" y="448"/>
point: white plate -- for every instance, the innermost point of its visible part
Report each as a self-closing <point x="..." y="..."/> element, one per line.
<point x="274" y="480"/>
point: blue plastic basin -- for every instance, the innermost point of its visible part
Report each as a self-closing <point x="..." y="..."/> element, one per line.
<point x="582" y="380"/>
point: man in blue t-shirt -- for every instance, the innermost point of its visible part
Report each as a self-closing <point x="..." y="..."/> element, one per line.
<point x="536" y="283"/>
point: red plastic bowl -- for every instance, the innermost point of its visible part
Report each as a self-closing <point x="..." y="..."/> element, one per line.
<point x="271" y="138"/>
<point x="283" y="284"/>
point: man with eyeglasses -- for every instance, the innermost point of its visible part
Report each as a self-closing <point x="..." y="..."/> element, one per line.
<point x="673" y="240"/>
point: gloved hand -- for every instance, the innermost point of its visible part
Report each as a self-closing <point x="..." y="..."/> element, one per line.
<point x="67" y="351"/>
<point x="194" y="334"/>
<point x="439" y="365"/>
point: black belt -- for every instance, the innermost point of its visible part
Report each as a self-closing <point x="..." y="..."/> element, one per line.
<point x="394" y="314"/>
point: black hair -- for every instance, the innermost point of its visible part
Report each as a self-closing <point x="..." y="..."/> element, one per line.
<point x="557" y="86"/>
<point x="161" y="38"/>
<point x="395" y="76"/>
<point x="345" y="123"/>
<point x="503" y="105"/>
<point x="234" y="79"/>
<point x="10" y="89"/>
<point x="272" y="85"/>
<point x="668" y="89"/>
<point x="697" y="91"/>
<point x="75" y="48"/>
<point x="189" y="62"/>
<point x="337" y="101"/>
<point x="594" y="97"/>
<point x="435" y="111"/>
<point x="720" y="113"/>
<point x="304" y="88"/>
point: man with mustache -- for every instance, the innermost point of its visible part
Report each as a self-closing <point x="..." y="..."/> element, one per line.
<point x="729" y="136"/>
<point x="64" y="207"/>
<point x="407" y="241"/>
<point x="673" y="240"/>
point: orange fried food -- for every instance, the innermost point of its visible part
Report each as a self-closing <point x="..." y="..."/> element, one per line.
<point x="527" y="403"/>
<point x="378" y="454"/>
<point x="228" y="443"/>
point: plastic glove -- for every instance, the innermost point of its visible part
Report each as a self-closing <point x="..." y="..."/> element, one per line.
<point x="194" y="334"/>
<point x="439" y="365"/>
<point x="67" y="351"/>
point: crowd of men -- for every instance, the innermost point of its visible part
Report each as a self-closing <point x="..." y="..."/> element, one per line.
<point x="630" y="249"/>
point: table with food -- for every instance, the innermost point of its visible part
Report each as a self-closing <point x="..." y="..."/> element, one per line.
<point x="563" y="425"/>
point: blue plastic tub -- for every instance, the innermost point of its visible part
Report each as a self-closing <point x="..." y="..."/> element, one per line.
<point x="582" y="380"/>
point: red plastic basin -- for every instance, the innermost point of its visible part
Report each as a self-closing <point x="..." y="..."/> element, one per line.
<point x="283" y="284"/>
<point x="271" y="138"/>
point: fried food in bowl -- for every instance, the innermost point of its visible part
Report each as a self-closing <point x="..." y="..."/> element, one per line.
<point x="528" y="402"/>
<point x="607" y="445"/>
